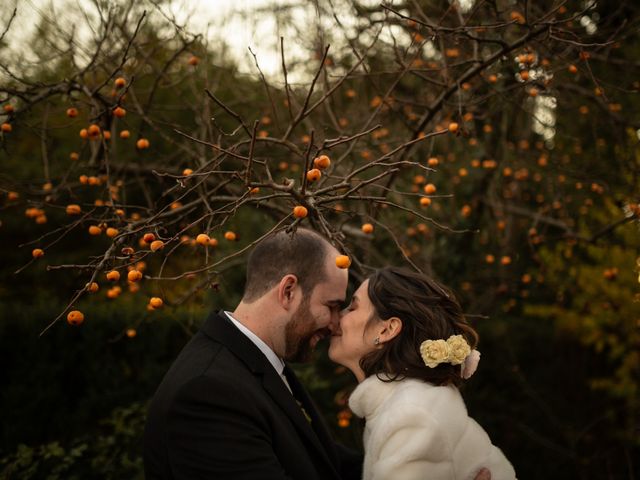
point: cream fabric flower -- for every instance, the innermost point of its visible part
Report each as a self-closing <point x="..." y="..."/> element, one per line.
<point x="459" y="349"/>
<point x="434" y="352"/>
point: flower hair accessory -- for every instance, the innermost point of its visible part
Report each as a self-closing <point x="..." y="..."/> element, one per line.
<point x="454" y="350"/>
<point x="470" y="364"/>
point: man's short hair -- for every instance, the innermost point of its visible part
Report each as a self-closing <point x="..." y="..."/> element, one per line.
<point x="301" y="253"/>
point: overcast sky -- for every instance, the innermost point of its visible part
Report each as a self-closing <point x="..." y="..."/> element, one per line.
<point x="233" y="20"/>
<point x="236" y="21"/>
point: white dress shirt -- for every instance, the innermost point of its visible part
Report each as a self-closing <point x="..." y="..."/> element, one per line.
<point x="274" y="360"/>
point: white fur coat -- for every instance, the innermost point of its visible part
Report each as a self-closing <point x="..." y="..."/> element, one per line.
<point x="415" y="430"/>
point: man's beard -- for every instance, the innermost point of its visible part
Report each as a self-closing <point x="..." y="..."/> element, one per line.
<point x="298" y="334"/>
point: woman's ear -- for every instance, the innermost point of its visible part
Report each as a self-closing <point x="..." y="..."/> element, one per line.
<point x="287" y="290"/>
<point x="392" y="327"/>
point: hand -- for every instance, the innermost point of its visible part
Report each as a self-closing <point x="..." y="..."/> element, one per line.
<point x="483" y="474"/>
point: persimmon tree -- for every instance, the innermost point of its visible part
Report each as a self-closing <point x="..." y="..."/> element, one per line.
<point x="493" y="143"/>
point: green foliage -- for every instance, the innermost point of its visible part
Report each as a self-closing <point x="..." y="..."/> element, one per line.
<point x="597" y="304"/>
<point x="111" y="454"/>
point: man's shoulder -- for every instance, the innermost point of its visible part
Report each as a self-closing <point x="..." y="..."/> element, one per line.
<point x="207" y="358"/>
<point x="206" y="370"/>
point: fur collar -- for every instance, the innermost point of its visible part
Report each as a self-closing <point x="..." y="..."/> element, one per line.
<point x="367" y="398"/>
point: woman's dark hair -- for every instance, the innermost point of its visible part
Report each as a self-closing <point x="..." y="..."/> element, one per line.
<point x="428" y="311"/>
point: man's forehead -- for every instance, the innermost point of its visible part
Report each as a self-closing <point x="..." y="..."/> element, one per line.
<point x="333" y="286"/>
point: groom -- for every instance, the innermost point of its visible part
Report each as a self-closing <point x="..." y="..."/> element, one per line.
<point x="229" y="407"/>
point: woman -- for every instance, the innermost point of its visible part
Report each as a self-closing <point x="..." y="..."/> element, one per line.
<point x="408" y="344"/>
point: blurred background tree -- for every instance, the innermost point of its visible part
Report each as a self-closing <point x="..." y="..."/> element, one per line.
<point x="491" y="144"/>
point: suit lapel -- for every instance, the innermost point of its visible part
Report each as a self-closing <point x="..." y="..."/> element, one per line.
<point x="220" y="328"/>
<point x="274" y="385"/>
<point x="318" y="423"/>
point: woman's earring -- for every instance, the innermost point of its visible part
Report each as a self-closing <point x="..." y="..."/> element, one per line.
<point x="376" y="341"/>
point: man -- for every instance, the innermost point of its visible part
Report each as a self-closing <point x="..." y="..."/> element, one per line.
<point x="229" y="407"/>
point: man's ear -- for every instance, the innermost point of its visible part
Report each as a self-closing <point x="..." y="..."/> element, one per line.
<point x="287" y="290"/>
<point x="390" y="330"/>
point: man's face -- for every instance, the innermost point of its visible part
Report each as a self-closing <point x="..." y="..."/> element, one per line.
<point x="310" y="322"/>
<point x="301" y="334"/>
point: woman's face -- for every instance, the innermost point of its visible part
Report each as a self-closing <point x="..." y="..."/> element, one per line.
<point x="350" y="339"/>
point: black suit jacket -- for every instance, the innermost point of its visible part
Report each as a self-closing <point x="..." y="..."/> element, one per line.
<point x="222" y="412"/>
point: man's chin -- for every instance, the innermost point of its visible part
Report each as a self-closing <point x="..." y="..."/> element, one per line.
<point x="302" y="356"/>
<point x="306" y="347"/>
<point x="315" y="339"/>
<point x="303" y="353"/>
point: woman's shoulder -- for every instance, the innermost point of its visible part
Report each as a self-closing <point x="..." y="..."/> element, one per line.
<point x="415" y="402"/>
<point x="410" y="391"/>
<point x="405" y="396"/>
<point x="369" y="396"/>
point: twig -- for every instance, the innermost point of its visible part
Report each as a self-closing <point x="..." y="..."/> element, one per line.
<point x="13" y="15"/>
<point x="212" y="145"/>
<point x="287" y="89"/>
<point x="124" y="55"/>
<point x="247" y="179"/>
<point x="330" y="143"/>
<point x="307" y="161"/>
<point x="266" y="86"/>
<point x="301" y="112"/>
<point x="78" y="294"/>
<point x="228" y="110"/>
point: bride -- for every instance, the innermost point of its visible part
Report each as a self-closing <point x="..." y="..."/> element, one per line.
<point x="407" y="342"/>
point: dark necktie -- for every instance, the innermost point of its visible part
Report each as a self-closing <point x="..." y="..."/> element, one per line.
<point x="295" y="391"/>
